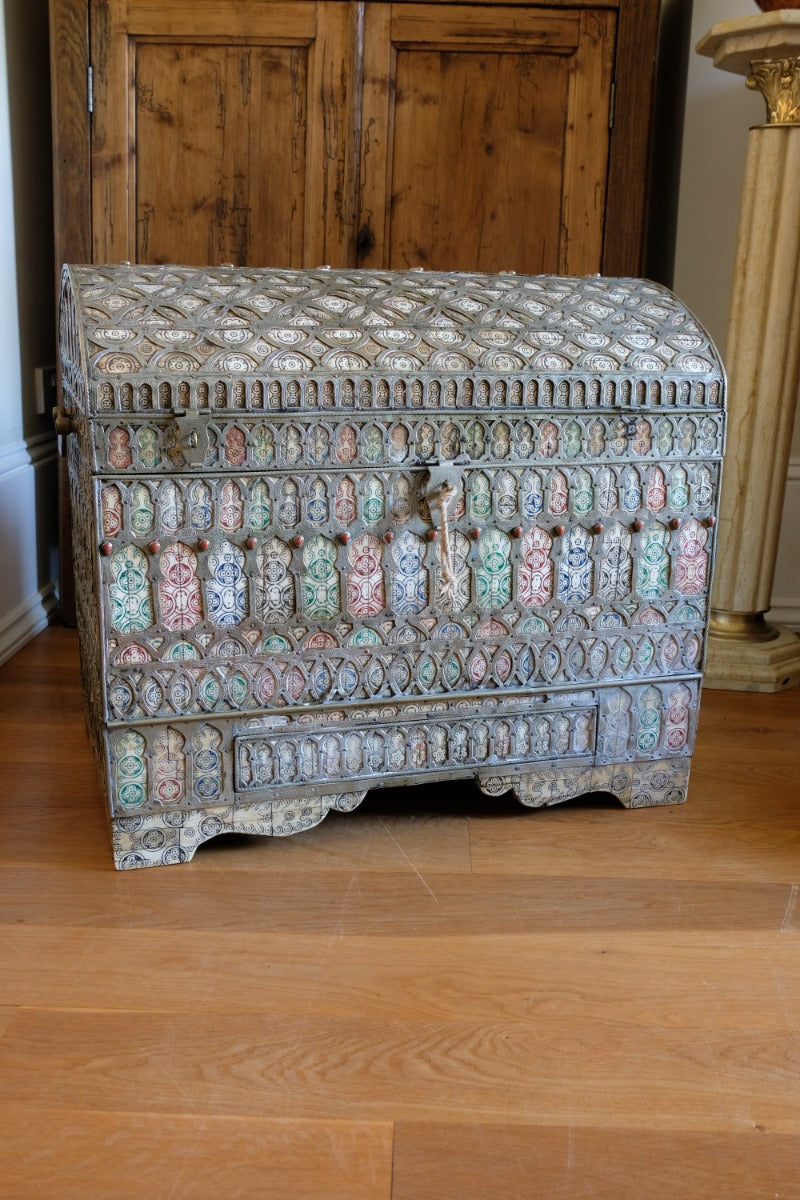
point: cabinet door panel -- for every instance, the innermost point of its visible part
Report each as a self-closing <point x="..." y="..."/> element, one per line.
<point x="206" y="144"/>
<point x="485" y="137"/>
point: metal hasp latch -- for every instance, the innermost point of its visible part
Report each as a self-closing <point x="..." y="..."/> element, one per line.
<point x="442" y="491"/>
<point x="192" y="437"/>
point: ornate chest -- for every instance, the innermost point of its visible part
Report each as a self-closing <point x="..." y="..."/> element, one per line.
<point x="338" y="530"/>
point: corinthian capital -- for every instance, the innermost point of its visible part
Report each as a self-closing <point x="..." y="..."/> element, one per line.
<point x="778" y="80"/>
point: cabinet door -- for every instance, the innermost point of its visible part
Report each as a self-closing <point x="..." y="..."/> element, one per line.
<point x="485" y="137"/>
<point x="223" y="132"/>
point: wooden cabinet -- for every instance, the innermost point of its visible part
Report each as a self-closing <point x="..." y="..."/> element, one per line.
<point x="300" y="132"/>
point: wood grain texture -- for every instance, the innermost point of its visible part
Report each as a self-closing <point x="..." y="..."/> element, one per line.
<point x="350" y="1068"/>
<point x="224" y="133"/>
<point x="630" y="145"/>
<point x="586" y="146"/>
<point x="486" y="137"/>
<point x="439" y="995"/>
<point x="572" y="1163"/>
<point x="173" y="1156"/>
<point x="205" y="185"/>
<point x="633" y="979"/>
<point x="69" y="55"/>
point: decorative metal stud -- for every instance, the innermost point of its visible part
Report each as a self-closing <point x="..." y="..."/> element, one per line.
<point x="154" y="546"/>
<point x="251" y="542"/>
<point x="106" y="548"/>
<point x="203" y="544"/>
<point x="344" y="537"/>
<point x="637" y="526"/>
<point x="298" y="540"/>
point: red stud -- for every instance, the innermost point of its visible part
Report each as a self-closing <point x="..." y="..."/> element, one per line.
<point x="154" y="547"/>
<point x="598" y="528"/>
<point x="559" y="530"/>
<point x="516" y="531"/>
<point x="711" y="522"/>
<point x="298" y="541"/>
<point x="203" y="543"/>
<point x="251" y="542"/>
<point x="475" y="533"/>
<point x="106" y="548"/>
<point x="637" y="526"/>
<point x="388" y="537"/>
<point x="344" y="537"/>
<point x="675" y="523"/>
<point x="433" y="535"/>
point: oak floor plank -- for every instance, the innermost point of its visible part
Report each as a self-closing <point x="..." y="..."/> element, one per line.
<point x="689" y="981"/>
<point x="472" y="1162"/>
<point x="382" y="903"/>
<point x="346" y="1068"/>
<point x="127" y="1156"/>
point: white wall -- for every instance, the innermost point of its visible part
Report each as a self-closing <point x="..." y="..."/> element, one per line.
<point x="28" y="524"/>
<point x="719" y="111"/>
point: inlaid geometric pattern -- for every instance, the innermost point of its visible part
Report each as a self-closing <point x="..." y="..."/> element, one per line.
<point x="347" y="529"/>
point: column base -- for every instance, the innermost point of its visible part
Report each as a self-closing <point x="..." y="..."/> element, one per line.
<point x="742" y="665"/>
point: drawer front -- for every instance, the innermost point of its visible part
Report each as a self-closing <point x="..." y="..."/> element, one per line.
<point x="267" y="764"/>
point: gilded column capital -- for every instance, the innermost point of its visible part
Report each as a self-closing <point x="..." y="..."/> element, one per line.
<point x="778" y="80"/>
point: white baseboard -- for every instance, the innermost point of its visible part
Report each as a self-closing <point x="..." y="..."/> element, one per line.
<point x="29" y="452"/>
<point x="28" y="534"/>
<point x="26" y="620"/>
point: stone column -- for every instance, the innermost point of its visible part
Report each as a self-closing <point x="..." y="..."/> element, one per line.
<point x="763" y="361"/>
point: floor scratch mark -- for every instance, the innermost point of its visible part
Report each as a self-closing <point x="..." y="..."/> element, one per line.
<point x="176" y="1083"/>
<point x="423" y="881"/>
<point x="787" y="924"/>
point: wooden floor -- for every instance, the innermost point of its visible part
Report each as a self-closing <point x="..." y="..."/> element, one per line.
<point x="438" y="997"/>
